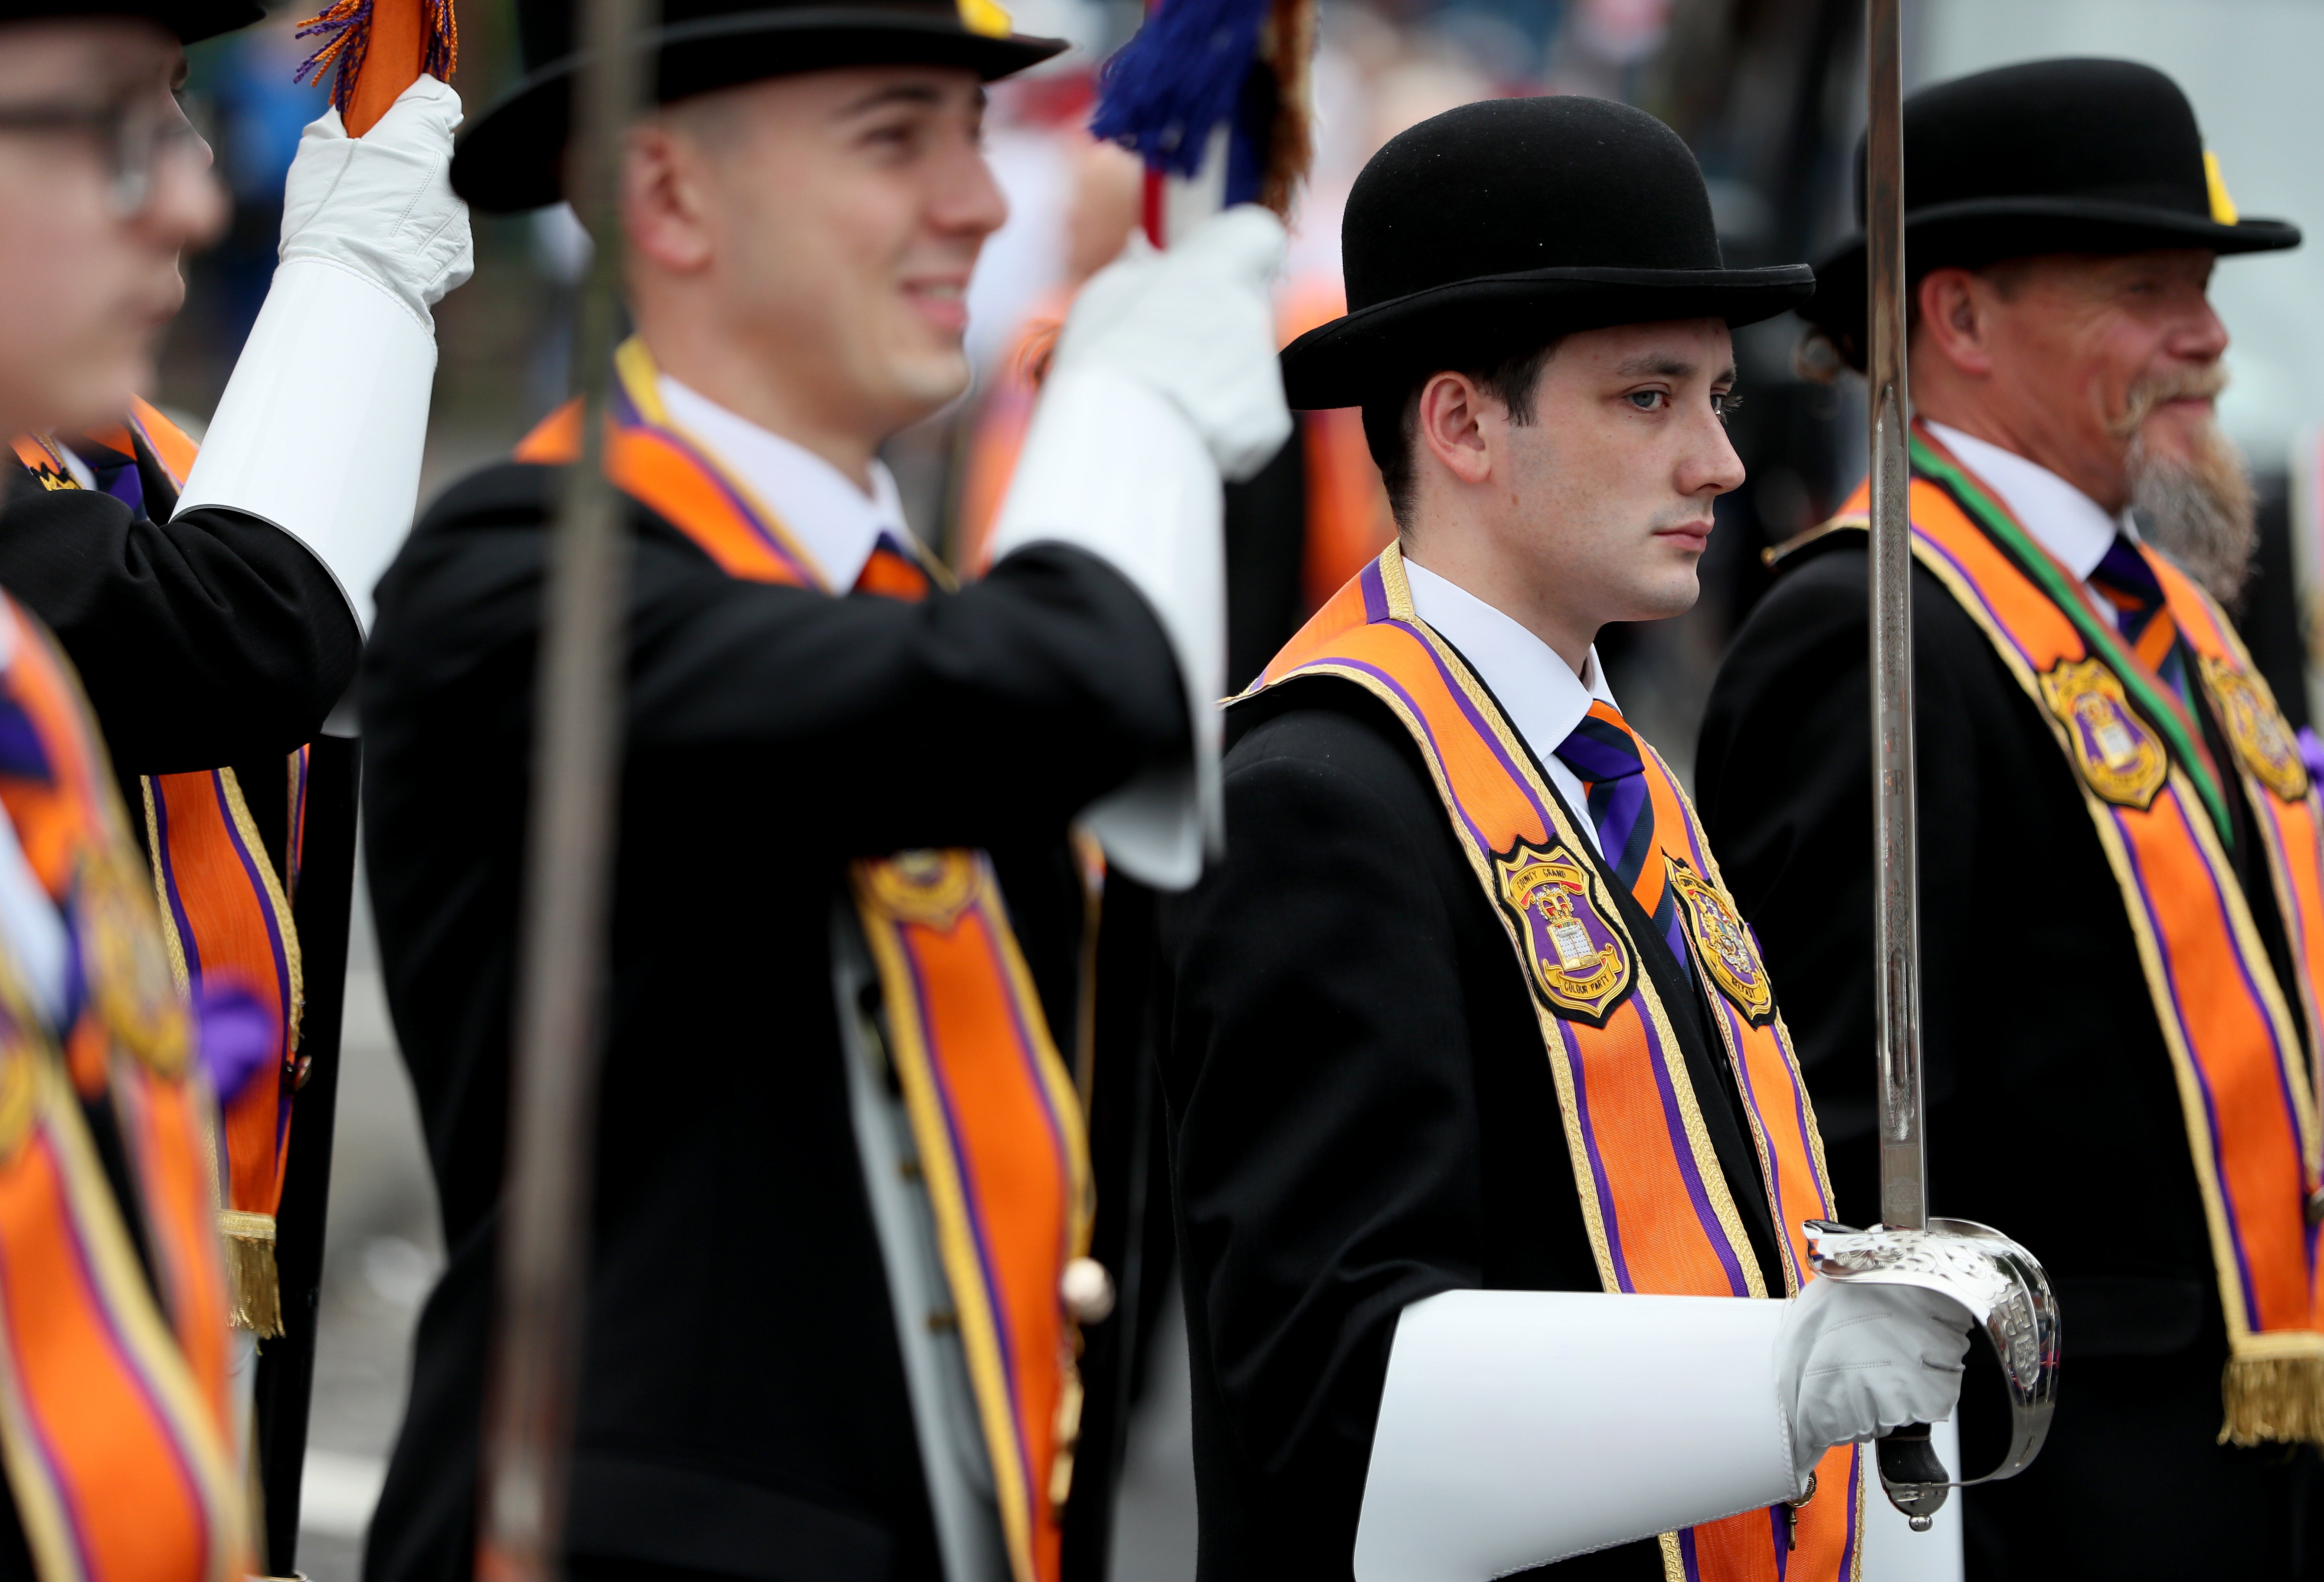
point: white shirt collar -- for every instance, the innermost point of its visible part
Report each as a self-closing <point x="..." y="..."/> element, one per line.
<point x="1538" y="691"/>
<point x="2069" y="523"/>
<point x="837" y="523"/>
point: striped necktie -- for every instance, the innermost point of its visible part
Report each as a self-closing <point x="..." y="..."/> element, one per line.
<point x="1608" y="760"/>
<point x="894" y="571"/>
<point x="2127" y="582"/>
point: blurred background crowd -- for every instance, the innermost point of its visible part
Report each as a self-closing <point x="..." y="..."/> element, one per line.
<point x="1768" y="93"/>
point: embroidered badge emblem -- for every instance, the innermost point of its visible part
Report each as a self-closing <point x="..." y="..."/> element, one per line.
<point x="932" y="887"/>
<point x="2263" y="743"/>
<point x="2120" y="759"/>
<point x="1578" y="962"/>
<point x="1721" y="944"/>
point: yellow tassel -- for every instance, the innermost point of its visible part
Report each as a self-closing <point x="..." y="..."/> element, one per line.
<point x="253" y="1287"/>
<point x="2278" y="1399"/>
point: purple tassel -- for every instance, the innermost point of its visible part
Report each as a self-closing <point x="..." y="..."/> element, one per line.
<point x="1184" y="73"/>
<point x="236" y="1034"/>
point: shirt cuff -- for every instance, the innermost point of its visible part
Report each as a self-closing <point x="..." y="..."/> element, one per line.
<point x="320" y="430"/>
<point x="1115" y="470"/>
<point x="1521" y="1426"/>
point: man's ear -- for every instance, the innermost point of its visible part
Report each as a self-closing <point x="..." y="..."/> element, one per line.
<point x="665" y="205"/>
<point x="1449" y="426"/>
<point x="1955" y="320"/>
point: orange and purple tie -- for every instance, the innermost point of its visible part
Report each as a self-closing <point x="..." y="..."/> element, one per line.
<point x="2127" y="582"/>
<point x="1608" y="760"/>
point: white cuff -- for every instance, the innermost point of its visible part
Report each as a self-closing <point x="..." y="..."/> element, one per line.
<point x="321" y="426"/>
<point x="1521" y="1426"/>
<point x="1115" y="469"/>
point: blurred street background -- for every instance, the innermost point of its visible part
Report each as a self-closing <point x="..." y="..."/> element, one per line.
<point x="1768" y="92"/>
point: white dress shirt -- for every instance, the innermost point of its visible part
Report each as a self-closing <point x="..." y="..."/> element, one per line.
<point x="2067" y="522"/>
<point x="1538" y="691"/>
<point x="837" y="524"/>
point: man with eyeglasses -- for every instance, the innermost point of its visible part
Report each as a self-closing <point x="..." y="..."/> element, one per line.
<point x="213" y="604"/>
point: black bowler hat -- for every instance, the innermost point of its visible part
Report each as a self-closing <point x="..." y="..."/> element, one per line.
<point x="192" y="21"/>
<point x="514" y="157"/>
<point x="2051" y="156"/>
<point x="1495" y="226"/>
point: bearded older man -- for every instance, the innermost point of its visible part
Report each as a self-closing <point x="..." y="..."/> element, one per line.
<point x="2118" y="844"/>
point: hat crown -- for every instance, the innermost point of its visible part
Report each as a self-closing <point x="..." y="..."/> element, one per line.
<point x="2100" y="130"/>
<point x="1505" y="186"/>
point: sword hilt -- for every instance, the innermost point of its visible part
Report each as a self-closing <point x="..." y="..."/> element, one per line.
<point x="1914" y="1480"/>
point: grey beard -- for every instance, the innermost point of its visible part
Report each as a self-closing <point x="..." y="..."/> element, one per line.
<point x="2200" y="512"/>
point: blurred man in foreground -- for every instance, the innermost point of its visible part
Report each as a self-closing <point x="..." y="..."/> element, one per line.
<point x="2122" y="931"/>
<point x="840" y="1181"/>
<point x="1482" y="1107"/>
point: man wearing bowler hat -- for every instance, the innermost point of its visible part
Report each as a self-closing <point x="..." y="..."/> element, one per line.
<point x="2120" y="919"/>
<point x="1486" y="1126"/>
<point x="841" y="1190"/>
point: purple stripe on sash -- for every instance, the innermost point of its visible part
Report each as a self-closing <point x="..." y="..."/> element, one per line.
<point x="185" y="927"/>
<point x="626" y="415"/>
<point x="993" y="1298"/>
<point x="1035" y="1077"/>
<point x="1603" y="1187"/>
<point x="1779" y="1534"/>
<point x="1855" y="1501"/>
<point x="130" y="1364"/>
<point x="274" y="935"/>
<point x="1675" y="1124"/>
<point x="1375" y="593"/>
<point x="2202" y="1078"/>
<point x="1737" y="1032"/>
<point x="1684" y="1154"/>
<point x="1986" y="604"/>
<point x="1687" y="1559"/>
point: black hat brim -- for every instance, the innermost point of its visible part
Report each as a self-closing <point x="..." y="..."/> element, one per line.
<point x="1971" y="234"/>
<point x="514" y="158"/>
<point x="1375" y="350"/>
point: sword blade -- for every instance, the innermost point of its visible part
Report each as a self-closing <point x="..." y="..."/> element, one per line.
<point x="568" y="879"/>
<point x="1903" y="1188"/>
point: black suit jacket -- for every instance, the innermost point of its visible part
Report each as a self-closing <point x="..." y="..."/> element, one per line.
<point x="2053" y="1113"/>
<point x="1362" y="1116"/>
<point x="743" y="1408"/>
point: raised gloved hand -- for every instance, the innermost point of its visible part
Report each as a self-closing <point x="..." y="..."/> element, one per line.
<point x="380" y="205"/>
<point x="1854" y="1360"/>
<point x="1195" y="324"/>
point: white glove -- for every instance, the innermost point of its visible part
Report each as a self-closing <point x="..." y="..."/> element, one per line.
<point x="1195" y="324"/>
<point x="380" y="205"/>
<point x="1854" y="1360"/>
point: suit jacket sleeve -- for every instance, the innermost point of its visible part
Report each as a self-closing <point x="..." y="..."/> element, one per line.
<point x="211" y="638"/>
<point x="1327" y="1141"/>
<point x="860" y="723"/>
<point x="1787" y="798"/>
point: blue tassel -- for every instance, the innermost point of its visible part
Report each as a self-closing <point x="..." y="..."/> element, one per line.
<point x="1183" y="74"/>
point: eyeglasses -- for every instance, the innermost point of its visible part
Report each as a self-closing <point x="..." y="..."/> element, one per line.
<point x="133" y="135"/>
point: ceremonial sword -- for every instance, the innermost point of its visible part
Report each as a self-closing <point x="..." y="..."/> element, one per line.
<point x="1993" y="1276"/>
<point x="564" y="943"/>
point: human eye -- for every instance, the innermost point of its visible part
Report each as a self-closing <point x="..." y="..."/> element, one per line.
<point x="1724" y="401"/>
<point x="1649" y="400"/>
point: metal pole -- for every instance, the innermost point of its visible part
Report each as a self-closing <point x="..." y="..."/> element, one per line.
<point x="568" y="869"/>
<point x="1903" y="1188"/>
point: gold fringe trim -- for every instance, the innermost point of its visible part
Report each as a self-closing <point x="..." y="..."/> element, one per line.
<point x="2272" y="1399"/>
<point x="253" y="1287"/>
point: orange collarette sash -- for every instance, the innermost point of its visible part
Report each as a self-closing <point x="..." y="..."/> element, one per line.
<point x="226" y="918"/>
<point x="115" y="1424"/>
<point x="995" y="1116"/>
<point x="1660" y="1216"/>
<point x="2153" y="794"/>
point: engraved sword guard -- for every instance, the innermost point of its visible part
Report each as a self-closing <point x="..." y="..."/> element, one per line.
<point x="2000" y="1283"/>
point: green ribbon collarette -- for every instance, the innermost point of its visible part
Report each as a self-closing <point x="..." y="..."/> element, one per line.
<point x="2161" y="710"/>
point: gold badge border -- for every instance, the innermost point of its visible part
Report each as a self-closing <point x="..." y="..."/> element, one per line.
<point x="1697" y="896"/>
<point x="2230" y="684"/>
<point x="1591" y="1007"/>
<point x="2067" y="683"/>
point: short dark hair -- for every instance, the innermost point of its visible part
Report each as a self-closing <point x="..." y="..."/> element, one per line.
<point x="1391" y="421"/>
